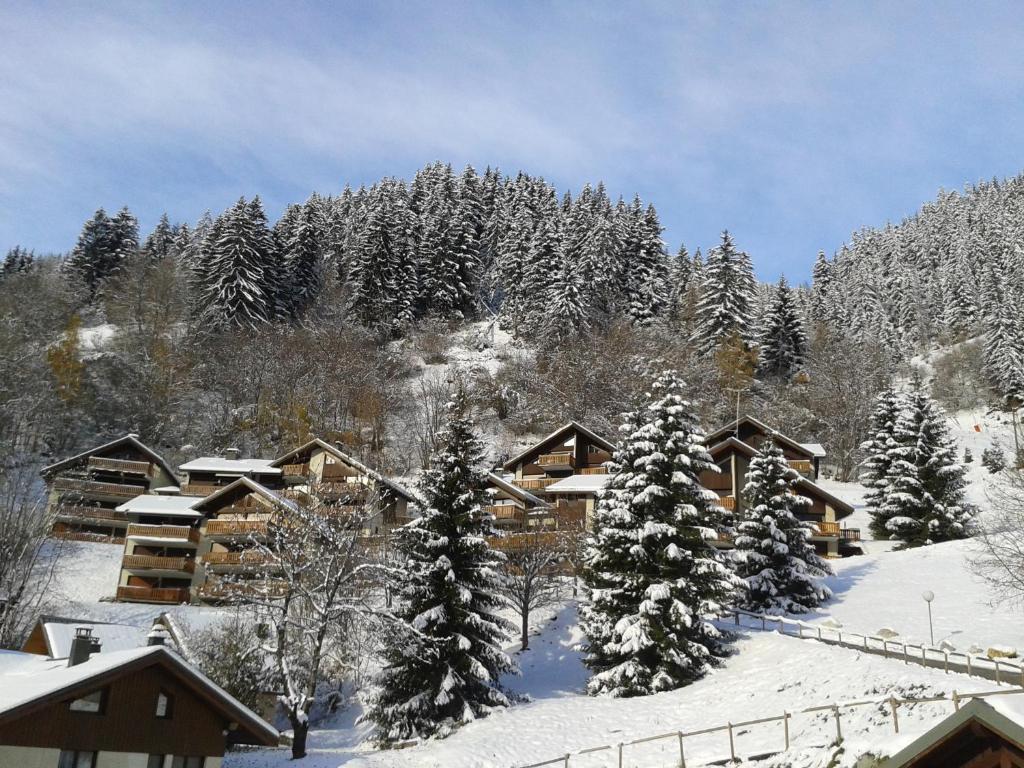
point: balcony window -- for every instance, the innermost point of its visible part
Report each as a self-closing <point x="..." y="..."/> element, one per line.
<point x="92" y="703"/>
<point x="70" y="758"/>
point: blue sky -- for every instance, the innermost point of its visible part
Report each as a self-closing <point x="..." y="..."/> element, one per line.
<point x="792" y="124"/>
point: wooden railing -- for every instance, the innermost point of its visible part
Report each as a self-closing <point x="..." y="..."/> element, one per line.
<point x="220" y="590"/>
<point x="571" y="511"/>
<point x="850" y="534"/>
<point x="727" y="502"/>
<point x="119" y="465"/>
<point x="538" y="484"/>
<point x="158" y="562"/>
<point x="519" y="541"/>
<point x="199" y="489"/>
<point x="556" y="460"/>
<point x="236" y="528"/>
<point x="65" y="534"/>
<point x="97" y="488"/>
<point x="827" y="529"/>
<point x="801" y="466"/>
<point x="338" y="490"/>
<point x="593" y="471"/>
<point x="164" y="532"/>
<point x="80" y="512"/>
<point x="295" y="470"/>
<point x="505" y="511"/>
<point x="245" y="557"/>
<point x="154" y="594"/>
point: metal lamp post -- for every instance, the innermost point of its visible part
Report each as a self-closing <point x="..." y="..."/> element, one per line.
<point x="928" y="596"/>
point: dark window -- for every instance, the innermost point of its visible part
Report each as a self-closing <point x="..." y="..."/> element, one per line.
<point x="93" y="703"/>
<point x="187" y="762"/>
<point x="155" y="761"/>
<point x="70" y="758"/>
<point x="164" y="705"/>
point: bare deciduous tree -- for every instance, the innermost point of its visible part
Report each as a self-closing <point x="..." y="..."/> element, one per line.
<point x="1000" y="560"/>
<point x="532" y="577"/>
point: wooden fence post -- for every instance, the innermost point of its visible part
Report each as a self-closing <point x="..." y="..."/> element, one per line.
<point x="819" y="633"/>
<point x="895" y="717"/>
<point x="732" y="744"/>
<point x="566" y="760"/>
<point x="906" y="660"/>
<point x="956" y="701"/>
<point x="764" y="625"/>
<point x="968" y="663"/>
<point x="997" y="671"/>
<point x="945" y="661"/>
<point x="682" y="757"/>
<point x="737" y="613"/>
<point x="785" y="727"/>
<point x="800" y="630"/>
<point x="839" y="728"/>
<point x="865" y="642"/>
<point x="885" y="648"/>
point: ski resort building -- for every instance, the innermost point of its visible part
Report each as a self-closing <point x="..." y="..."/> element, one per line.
<point x="516" y="509"/>
<point x="86" y="491"/>
<point x="734" y="445"/>
<point x="208" y="474"/>
<point x="566" y="470"/>
<point x="143" y="707"/>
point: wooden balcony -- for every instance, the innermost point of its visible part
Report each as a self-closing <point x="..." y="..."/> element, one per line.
<point x="244" y="557"/>
<point x="61" y="531"/>
<point x="849" y="534"/>
<point x="505" y="511"/>
<point x="332" y="491"/>
<point x="158" y="563"/>
<point x="593" y="471"/>
<point x="520" y="541"/>
<point x="571" y="511"/>
<point x="557" y="460"/>
<point x="94" y="488"/>
<point x="215" y="589"/>
<point x="119" y="465"/>
<point x="169" y="532"/>
<point x="727" y="503"/>
<point x="78" y="512"/>
<point x="153" y="594"/>
<point x="237" y="528"/>
<point x="199" y="489"/>
<point x="535" y="484"/>
<point x="827" y="529"/>
<point x="801" y="466"/>
<point x="295" y="470"/>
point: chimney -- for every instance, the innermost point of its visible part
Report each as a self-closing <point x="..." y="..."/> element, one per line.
<point x="82" y="646"/>
<point x="157" y="636"/>
<point x="232" y="453"/>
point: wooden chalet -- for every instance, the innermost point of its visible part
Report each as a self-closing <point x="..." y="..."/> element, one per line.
<point x="208" y="474"/>
<point x="826" y="512"/>
<point x="324" y="472"/>
<point x="513" y="508"/>
<point x="86" y="490"/>
<point x="144" y="707"/>
<point x="566" y="469"/>
<point x="805" y="458"/>
<point x="983" y="733"/>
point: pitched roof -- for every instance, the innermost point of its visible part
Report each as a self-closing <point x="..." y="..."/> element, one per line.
<point x="129" y="439"/>
<point x="842" y="508"/>
<point x="151" y="504"/>
<point x="515" y="490"/>
<point x="251" y="485"/>
<point x="1003" y="715"/>
<point x="733" y="425"/>
<point x="572" y="425"/>
<point x="58" y="632"/>
<point x="29" y="683"/>
<point x="579" y="484"/>
<point x="357" y="465"/>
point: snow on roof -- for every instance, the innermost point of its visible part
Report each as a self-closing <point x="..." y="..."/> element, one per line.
<point x="355" y="464"/>
<point x="230" y="466"/>
<point x="60" y="632"/>
<point x="26" y="677"/>
<point x="148" y="504"/>
<point x="608" y="446"/>
<point x="515" y="490"/>
<point x="252" y="485"/>
<point x="131" y="439"/>
<point x="579" y="484"/>
<point x="817" y="449"/>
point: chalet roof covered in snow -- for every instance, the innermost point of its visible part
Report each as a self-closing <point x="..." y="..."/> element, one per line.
<point x="247" y="484"/>
<point x="343" y="457"/>
<point x="55" y="633"/>
<point x="515" y="491"/>
<point x="224" y="466"/>
<point x="29" y="682"/>
<point x="580" y="484"/>
<point x="150" y="504"/>
<point x="128" y="440"/>
<point x="811" y="450"/>
<point x="572" y="426"/>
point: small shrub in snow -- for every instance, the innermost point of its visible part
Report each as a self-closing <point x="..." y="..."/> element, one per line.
<point x="968" y="456"/>
<point x="993" y="459"/>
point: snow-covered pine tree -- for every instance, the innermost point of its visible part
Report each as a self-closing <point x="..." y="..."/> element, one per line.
<point x="564" y="315"/>
<point x="302" y="260"/>
<point x="889" y="405"/>
<point x="444" y="660"/>
<point x="726" y="297"/>
<point x="239" y="277"/>
<point x="655" y="580"/>
<point x="92" y="260"/>
<point x="773" y="550"/>
<point x="647" y="280"/>
<point x="783" y="340"/>
<point x="821" y="281"/>
<point x="18" y="261"/>
<point x="160" y="242"/>
<point x="924" y="495"/>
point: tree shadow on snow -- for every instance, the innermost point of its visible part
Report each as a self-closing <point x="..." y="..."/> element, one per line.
<point x="551" y="667"/>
